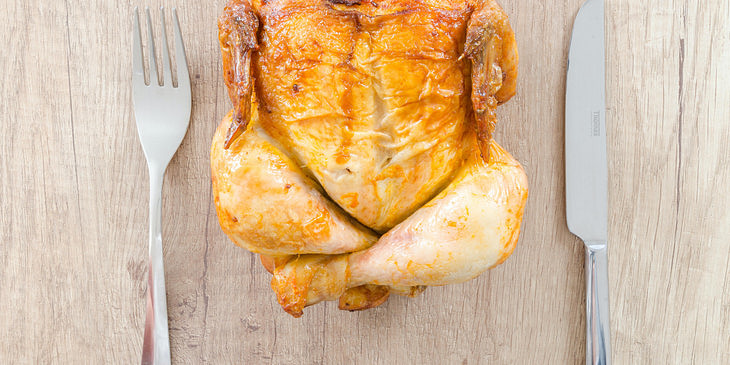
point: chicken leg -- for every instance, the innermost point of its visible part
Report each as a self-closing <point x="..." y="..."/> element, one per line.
<point x="471" y="226"/>
<point x="268" y="205"/>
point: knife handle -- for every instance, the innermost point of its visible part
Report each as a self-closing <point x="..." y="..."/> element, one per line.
<point x="598" y="339"/>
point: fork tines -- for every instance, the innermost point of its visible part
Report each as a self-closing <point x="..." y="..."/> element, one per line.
<point x="138" y="72"/>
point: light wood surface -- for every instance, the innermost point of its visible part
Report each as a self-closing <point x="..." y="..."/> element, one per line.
<point x="73" y="206"/>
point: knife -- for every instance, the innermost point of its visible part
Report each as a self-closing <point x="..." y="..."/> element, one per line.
<point x="586" y="169"/>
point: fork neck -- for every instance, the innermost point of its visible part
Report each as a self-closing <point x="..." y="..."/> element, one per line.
<point x="157" y="177"/>
<point x="156" y="169"/>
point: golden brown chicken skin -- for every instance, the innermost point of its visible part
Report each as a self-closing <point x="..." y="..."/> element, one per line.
<point x="352" y="123"/>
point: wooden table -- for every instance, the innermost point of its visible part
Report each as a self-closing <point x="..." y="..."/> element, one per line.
<point x="73" y="206"/>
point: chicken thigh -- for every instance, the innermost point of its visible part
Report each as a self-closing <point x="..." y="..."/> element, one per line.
<point x="358" y="158"/>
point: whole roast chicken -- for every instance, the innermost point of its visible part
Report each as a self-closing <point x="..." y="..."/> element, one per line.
<point x="358" y="159"/>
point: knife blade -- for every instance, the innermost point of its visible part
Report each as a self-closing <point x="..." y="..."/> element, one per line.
<point x="586" y="168"/>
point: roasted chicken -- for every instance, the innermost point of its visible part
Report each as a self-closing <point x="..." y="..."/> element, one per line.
<point x="358" y="159"/>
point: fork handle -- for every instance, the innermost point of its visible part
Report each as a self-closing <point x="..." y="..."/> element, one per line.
<point x="156" y="346"/>
<point x="598" y="339"/>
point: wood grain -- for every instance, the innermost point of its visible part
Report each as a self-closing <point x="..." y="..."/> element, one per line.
<point x="73" y="212"/>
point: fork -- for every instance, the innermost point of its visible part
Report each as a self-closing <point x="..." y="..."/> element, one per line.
<point x="162" y="112"/>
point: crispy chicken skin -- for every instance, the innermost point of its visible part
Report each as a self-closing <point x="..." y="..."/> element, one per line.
<point x="358" y="158"/>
